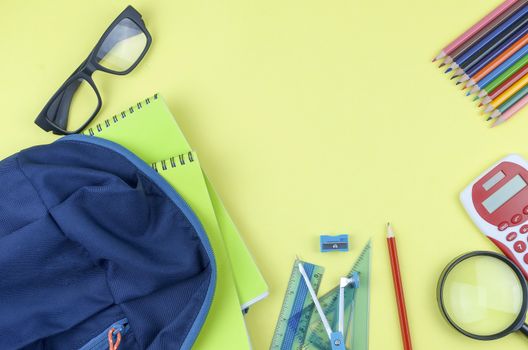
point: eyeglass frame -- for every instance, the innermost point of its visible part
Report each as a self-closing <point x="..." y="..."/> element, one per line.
<point x="84" y="72"/>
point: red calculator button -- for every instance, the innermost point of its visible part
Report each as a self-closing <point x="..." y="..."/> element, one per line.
<point x="519" y="246"/>
<point x="516" y="219"/>
<point x="503" y="226"/>
<point x="525" y="258"/>
<point x="524" y="229"/>
<point x="511" y="236"/>
<point x="525" y="210"/>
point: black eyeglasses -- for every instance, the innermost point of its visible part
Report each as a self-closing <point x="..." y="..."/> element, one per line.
<point x="77" y="102"/>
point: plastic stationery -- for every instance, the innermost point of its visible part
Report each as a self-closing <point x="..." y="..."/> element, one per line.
<point x="337" y="243"/>
<point x="300" y="325"/>
<point x="296" y="312"/>
<point x="149" y="130"/>
<point x="497" y="201"/>
<point x="336" y="337"/>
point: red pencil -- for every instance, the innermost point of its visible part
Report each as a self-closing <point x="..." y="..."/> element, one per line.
<point x="398" y="287"/>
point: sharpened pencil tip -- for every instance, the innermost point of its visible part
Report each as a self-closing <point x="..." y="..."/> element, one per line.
<point x="439" y="56"/>
<point x="390" y="232"/>
<point x="458" y="83"/>
<point x="448" y="70"/>
<point x="441" y="65"/>
<point x="497" y="122"/>
<point x="489" y="118"/>
<point x="495" y="114"/>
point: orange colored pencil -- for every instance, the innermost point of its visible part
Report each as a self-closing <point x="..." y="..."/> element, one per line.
<point x="498" y="60"/>
<point x="398" y="288"/>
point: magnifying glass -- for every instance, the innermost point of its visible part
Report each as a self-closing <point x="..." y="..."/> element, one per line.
<point x="483" y="295"/>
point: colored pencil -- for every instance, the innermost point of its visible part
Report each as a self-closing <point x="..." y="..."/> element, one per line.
<point x="507" y="94"/>
<point x="486" y="30"/>
<point x="474" y="29"/>
<point x="505" y="85"/>
<point x="503" y="71"/>
<point x="511" y="112"/>
<point x="501" y="29"/>
<point x="398" y="287"/>
<point x="509" y="103"/>
<point x="490" y="59"/>
<point x="507" y="49"/>
<point x="495" y="43"/>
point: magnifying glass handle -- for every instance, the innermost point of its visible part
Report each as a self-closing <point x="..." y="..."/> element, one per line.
<point x="524" y="329"/>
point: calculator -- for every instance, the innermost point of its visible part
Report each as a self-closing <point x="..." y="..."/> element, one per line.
<point x="497" y="201"/>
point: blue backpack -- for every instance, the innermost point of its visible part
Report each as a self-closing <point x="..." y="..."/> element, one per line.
<point x="98" y="251"/>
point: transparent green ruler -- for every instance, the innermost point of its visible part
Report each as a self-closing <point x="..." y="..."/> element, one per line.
<point x="311" y="335"/>
<point x="297" y="308"/>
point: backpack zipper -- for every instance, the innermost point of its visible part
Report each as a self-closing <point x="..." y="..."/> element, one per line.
<point x="100" y="342"/>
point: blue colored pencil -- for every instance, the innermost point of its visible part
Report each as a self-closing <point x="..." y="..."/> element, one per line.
<point x="500" y="30"/>
<point x="470" y="70"/>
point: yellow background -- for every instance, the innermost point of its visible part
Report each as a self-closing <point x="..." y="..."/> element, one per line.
<point x="310" y="117"/>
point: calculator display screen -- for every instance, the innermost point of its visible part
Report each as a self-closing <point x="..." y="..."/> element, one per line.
<point x="505" y="193"/>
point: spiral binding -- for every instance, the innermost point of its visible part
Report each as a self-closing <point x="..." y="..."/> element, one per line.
<point x="173" y="162"/>
<point x="115" y="118"/>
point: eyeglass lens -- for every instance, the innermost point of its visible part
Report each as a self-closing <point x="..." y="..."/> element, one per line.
<point x="74" y="106"/>
<point x="122" y="47"/>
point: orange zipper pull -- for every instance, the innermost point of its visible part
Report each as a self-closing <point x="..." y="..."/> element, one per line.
<point x="111" y="345"/>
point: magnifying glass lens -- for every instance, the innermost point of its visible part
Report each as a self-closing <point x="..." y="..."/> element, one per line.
<point x="482" y="295"/>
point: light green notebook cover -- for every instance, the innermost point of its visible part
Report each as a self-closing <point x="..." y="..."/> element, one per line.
<point x="149" y="130"/>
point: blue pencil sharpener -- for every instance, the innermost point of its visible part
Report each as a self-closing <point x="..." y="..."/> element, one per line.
<point x="337" y="243"/>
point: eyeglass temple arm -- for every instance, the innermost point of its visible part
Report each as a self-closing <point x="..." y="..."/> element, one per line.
<point x="524" y="329"/>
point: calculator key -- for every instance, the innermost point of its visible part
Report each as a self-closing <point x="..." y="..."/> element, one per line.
<point x="519" y="246"/>
<point x="503" y="226"/>
<point x="525" y="258"/>
<point x="523" y="229"/>
<point x="525" y="210"/>
<point x="511" y="236"/>
<point x="516" y="219"/>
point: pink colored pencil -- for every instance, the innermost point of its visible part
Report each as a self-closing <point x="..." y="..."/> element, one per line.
<point x="475" y="29"/>
<point x="512" y="111"/>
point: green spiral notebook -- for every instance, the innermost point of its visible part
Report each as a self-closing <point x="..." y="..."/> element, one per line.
<point x="150" y="131"/>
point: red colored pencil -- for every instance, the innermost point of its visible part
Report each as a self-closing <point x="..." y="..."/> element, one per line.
<point x="398" y="287"/>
